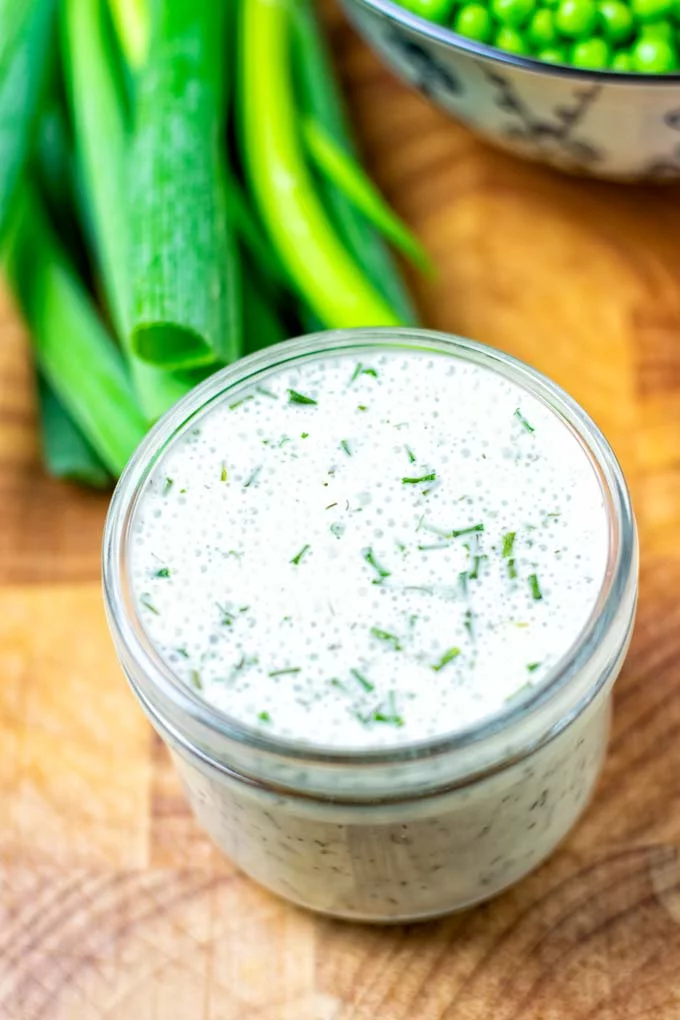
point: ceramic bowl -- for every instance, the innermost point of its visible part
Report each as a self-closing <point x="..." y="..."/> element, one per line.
<point x="620" y="126"/>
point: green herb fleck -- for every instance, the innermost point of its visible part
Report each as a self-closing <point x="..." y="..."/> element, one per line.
<point x="456" y="533"/>
<point x="477" y="561"/>
<point x="283" y="440"/>
<point x="237" y="403"/>
<point x="508" y="544"/>
<point x="264" y="717"/>
<point x="163" y="572"/>
<point x="467" y="622"/>
<point x="148" y="604"/>
<point x="169" y="482"/>
<point x="183" y="652"/>
<point x="384" y="635"/>
<point x="304" y="435"/>
<point x="296" y="559"/>
<point x="369" y="556"/>
<point x="360" y="678"/>
<point x="410" y="454"/>
<point x="227" y="616"/>
<point x="431" y="477"/>
<point x="266" y="393"/>
<point x="331" y="505"/>
<point x="384" y="713"/>
<point x="337" y="529"/>
<point x="360" y="370"/>
<point x="523" y="422"/>
<point x="533" y="666"/>
<point x="463" y="579"/>
<point x="345" y="445"/>
<point x="224" y="474"/>
<point x="512" y="570"/>
<point x="535" y="587"/>
<point x="196" y="681"/>
<point x="362" y="407"/>
<point x="252" y="477"/>
<point x="284" y="672"/>
<point x="449" y="655"/>
<point x="428" y="548"/>
<point x="299" y="398"/>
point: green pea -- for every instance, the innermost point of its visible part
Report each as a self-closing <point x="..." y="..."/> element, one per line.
<point x="514" y="13"/>
<point x="616" y="20"/>
<point x="658" y="30"/>
<point x="474" y="22"/>
<point x="553" y="55"/>
<point x="576" y="18"/>
<point x="592" y="54"/>
<point x="622" y="61"/>
<point x="653" y="56"/>
<point x="510" y="40"/>
<point x="541" y="31"/>
<point x="433" y="10"/>
<point x="651" y="10"/>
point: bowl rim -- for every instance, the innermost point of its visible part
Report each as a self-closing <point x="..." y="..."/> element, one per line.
<point x="439" y="33"/>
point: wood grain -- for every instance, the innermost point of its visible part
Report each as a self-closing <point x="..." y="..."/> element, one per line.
<point x="113" y="904"/>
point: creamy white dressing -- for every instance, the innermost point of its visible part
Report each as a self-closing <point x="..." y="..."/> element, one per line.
<point x="392" y="561"/>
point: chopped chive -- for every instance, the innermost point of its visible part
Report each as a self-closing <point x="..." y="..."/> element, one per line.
<point x="183" y="652"/>
<point x="169" y="482"/>
<point x="431" y="477"/>
<point x="535" y="587"/>
<point x="384" y="635"/>
<point x="237" y="403"/>
<point x="456" y="533"/>
<point x="337" y="529"/>
<point x="476" y="563"/>
<point x="304" y="435"/>
<point x="299" y="398"/>
<point x="366" y="684"/>
<point x="362" y="407"/>
<point x="334" y="682"/>
<point x="163" y="572"/>
<point x="360" y="370"/>
<point x="264" y="717"/>
<point x="265" y="393"/>
<point x="283" y="440"/>
<point x="449" y="655"/>
<point x="410" y="454"/>
<point x="369" y="556"/>
<point x="284" y="672"/>
<point x="467" y="622"/>
<point x="296" y="559"/>
<point x="463" y="579"/>
<point x="512" y="570"/>
<point x="148" y="604"/>
<point x="533" y="666"/>
<point x="427" y="548"/>
<point x="508" y="544"/>
<point x="196" y="681"/>
<point x="412" y="620"/>
<point x="224" y="474"/>
<point x="523" y="422"/>
<point x="252" y="477"/>
<point x="391" y="715"/>
<point x="345" y="445"/>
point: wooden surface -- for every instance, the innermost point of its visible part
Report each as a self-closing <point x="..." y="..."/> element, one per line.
<point x="112" y="903"/>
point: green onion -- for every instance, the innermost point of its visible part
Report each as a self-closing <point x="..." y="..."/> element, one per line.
<point x="351" y="178"/>
<point x="535" y="587"/>
<point x="331" y="281"/>
<point x="72" y="347"/>
<point x="99" y="122"/>
<point x="184" y="259"/>
<point x="26" y="32"/>
<point x="449" y="655"/>
<point x="67" y="453"/>
<point x="322" y="100"/>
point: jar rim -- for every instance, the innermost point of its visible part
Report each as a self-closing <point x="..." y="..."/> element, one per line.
<point x="144" y="665"/>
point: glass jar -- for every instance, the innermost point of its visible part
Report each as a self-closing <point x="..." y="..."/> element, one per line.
<point x="403" y="833"/>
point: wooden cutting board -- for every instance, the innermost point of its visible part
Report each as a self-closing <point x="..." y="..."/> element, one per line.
<point x="113" y="904"/>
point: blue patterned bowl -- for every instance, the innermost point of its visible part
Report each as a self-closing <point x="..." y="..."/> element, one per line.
<point x="620" y="126"/>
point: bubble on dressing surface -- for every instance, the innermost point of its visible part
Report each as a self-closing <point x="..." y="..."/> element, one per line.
<point x="322" y="559"/>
